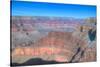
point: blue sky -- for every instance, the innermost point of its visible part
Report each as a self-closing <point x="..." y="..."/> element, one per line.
<point x="25" y="8"/>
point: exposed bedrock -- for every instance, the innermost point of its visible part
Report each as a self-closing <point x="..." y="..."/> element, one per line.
<point x="58" y="46"/>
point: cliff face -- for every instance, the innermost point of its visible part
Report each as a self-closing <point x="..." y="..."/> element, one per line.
<point x="29" y="41"/>
<point x="58" y="46"/>
<point x="54" y="45"/>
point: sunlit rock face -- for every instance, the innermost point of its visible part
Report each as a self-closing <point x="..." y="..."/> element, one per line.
<point x="58" y="46"/>
<point x="69" y="44"/>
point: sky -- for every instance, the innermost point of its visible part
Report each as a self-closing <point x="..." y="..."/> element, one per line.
<point x="25" y="8"/>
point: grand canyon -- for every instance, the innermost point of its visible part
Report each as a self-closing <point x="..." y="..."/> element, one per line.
<point x="47" y="40"/>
